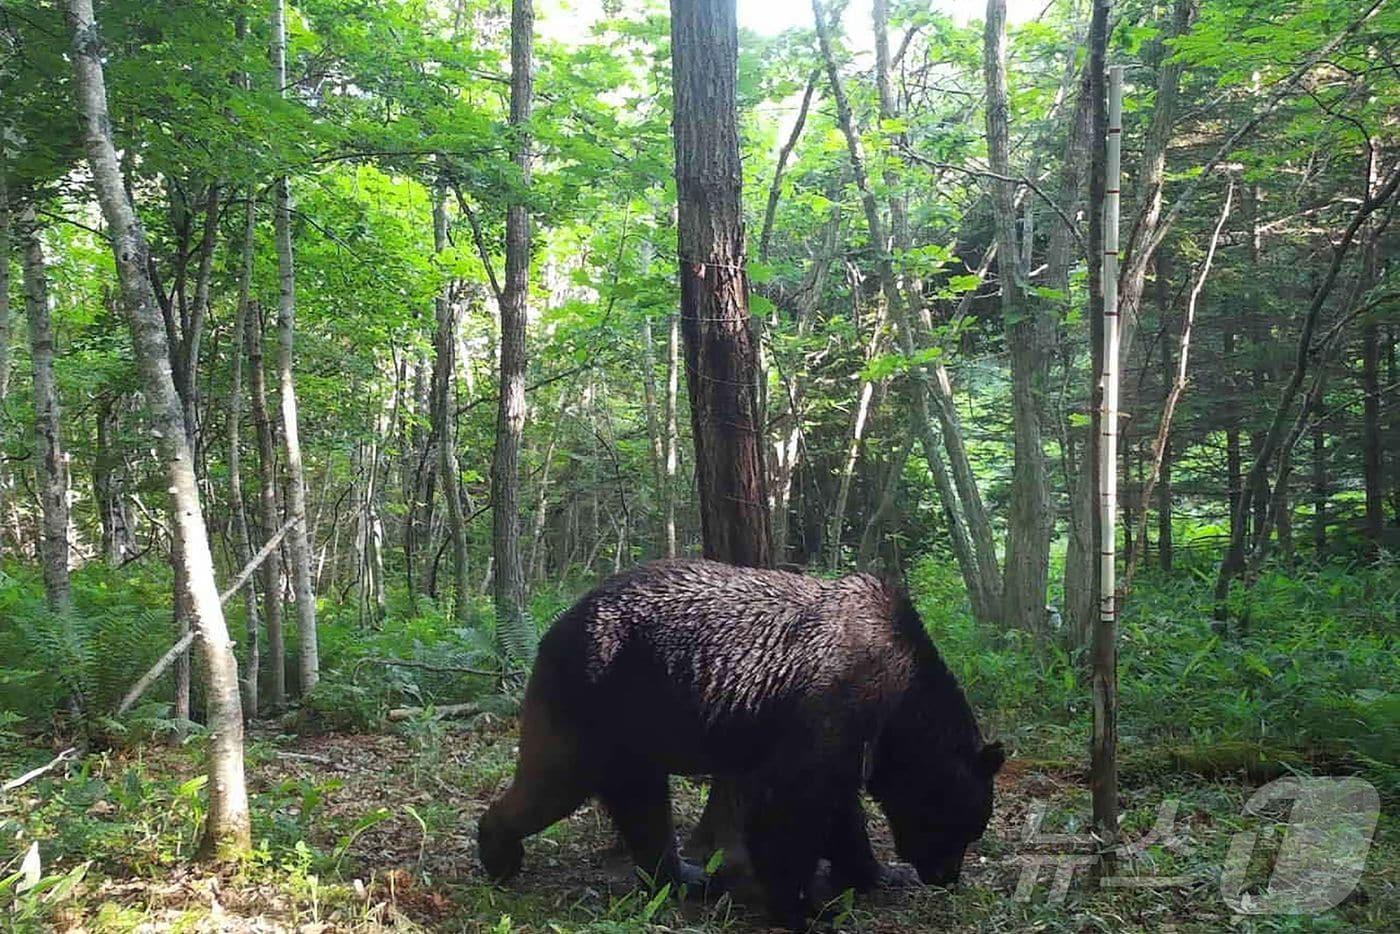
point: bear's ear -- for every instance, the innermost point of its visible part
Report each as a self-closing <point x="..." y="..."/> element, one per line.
<point x="992" y="757"/>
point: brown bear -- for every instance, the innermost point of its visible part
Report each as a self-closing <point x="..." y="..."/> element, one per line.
<point x="800" y="690"/>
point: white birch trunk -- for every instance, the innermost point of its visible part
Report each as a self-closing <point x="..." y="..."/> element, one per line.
<point x="299" y="540"/>
<point x="226" y="834"/>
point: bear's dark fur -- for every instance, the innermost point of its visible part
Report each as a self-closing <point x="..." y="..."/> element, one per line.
<point x="797" y="688"/>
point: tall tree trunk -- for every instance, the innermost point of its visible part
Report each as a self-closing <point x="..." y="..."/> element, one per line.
<point x="885" y="505"/>
<point x="445" y="378"/>
<point x="1234" y="457"/>
<point x="299" y="538"/>
<point x="242" y="539"/>
<point x="1103" y="647"/>
<point x="268" y="513"/>
<point x="419" y="475"/>
<point x="1372" y="464"/>
<point x="1319" y="488"/>
<point x="48" y="421"/>
<point x="1029" y="334"/>
<point x="226" y="834"/>
<point x="721" y="354"/>
<point x="858" y="422"/>
<point x="1177" y="387"/>
<point x="1141" y="248"/>
<point x="5" y="238"/>
<point x="511" y="621"/>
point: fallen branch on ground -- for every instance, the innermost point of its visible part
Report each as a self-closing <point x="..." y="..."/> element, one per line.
<point x="426" y="666"/>
<point x="399" y="714"/>
<point x="69" y="753"/>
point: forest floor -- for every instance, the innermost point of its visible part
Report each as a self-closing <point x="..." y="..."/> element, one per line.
<point x="376" y="832"/>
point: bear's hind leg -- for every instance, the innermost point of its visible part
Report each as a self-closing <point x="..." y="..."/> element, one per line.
<point x="550" y="782"/>
<point x="639" y="800"/>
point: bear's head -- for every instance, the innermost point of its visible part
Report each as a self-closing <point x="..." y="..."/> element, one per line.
<point x="937" y="803"/>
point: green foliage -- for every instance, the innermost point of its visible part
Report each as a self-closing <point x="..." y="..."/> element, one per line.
<point x="81" y="664"/>
<point x="1314" y="670"/>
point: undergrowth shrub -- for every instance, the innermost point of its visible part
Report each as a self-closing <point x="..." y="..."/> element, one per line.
<point x="1313" y="667"/>
<point x="79" y="665"/>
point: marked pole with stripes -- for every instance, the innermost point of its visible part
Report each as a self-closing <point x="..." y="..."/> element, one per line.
<point x="1103" y="768"/>
<point x="1108" y="423"/>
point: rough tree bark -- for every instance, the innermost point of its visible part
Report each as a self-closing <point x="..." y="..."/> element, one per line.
<point x="509" y="575"/>
<point x="299" y="540"/>
<point x="1029" y="335"/>
<point x="720" y="351"/>
<point x="226" y="833"/>
<point x="48" y="420"/>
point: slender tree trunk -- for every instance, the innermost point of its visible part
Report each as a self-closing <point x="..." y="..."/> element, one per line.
<point x="1174" y="393"/>
<point x="226" y="834"/>
<point x="242" y="539"/>
<point x="48" y="420"/>
<point x="5" y="246"/>
<point x="1319" y="488"/>
<point x="1103" y="645"/>
<point x="299" y="538"/>
<point x="721" y="354"/>
<point x="673" y="368"/>
<point x="1372" y="462"/>
<point x="268" y="513"/>
<point x="885" y="507"/>
<point x="107" y="483"/>
<point x="858" y="423"/>
<point x="775" y="190"/>
<point x="445" y="376"/>
<point x="655" y="437"/>
<point x="509" y="577"/>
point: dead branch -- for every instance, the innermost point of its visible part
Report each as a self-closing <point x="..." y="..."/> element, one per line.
<point x="158" y="669"/>
<point x="257" y="561"/>
<point x="70" y="753"/>
<point x="400" y="714"/>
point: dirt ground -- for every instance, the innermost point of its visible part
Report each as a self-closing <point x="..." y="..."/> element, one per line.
<point x="390" y="832"/>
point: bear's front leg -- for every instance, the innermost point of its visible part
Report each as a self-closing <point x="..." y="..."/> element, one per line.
<point x="639" y="799"/>
<point x="853" y="862"/>
<point x="785" y="825"/>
